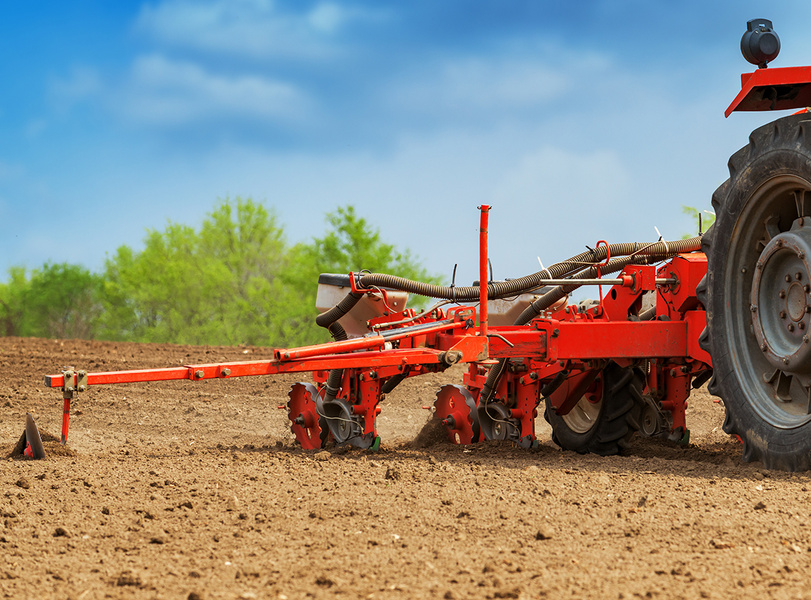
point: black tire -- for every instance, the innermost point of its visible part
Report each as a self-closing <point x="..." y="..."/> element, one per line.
<point x="613" y="422"/>
<point x="756" y="293"/>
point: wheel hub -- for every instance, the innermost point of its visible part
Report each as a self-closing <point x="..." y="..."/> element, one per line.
<point x="780" y="301"/>
<point x="497" y="423"/>
<point x="341" y="420"/>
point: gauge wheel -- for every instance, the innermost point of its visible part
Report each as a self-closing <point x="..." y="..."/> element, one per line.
<point x="603" y="420"/>
<point x="757" y="294"/>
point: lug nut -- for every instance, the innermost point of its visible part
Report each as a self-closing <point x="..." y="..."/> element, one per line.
<point x="801" y="324"/>
<point x="782" y="314"/>
<point x="787" y="278"/>
<point x="790" y="327"/>
<point x="782" y="293"/>
<point x="786" y="361"/>
<point x="801" y="255"/>
<point x="763" y="346"/>
<point x="753" y="307"/>
<point x="798" y="276"/>
<point x="743" y="271"/>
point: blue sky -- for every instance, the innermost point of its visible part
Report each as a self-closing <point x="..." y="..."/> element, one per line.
<point x="576" y="121"/>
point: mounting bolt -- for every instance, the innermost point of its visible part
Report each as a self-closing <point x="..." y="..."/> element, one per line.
<point x="807" y="288"/>
<point x="779" y="243"/>
<point x="782" y="314"/>
<point x="753" y="307"/>
<point x="805" y="339"/>
<point x="760" y="264"/>
<point x="199" y="374"/>
<point x="787" y="278"/>
<point x="782" y="293"/>
<point x="791" y="327"/>
<point x="801" y="255"/>
<point x="798" y="276"/>
<point x="763" y="347"/>
<point x="743" y="271"/>
<point x="801" y="324"/>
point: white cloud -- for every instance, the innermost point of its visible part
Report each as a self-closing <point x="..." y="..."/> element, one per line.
<point x="253" y="28"/>
<point x="488" y="87"/>
<point x="552" y="177"/>
<point x="166" y="91"/>
<point x="79" y="84"/>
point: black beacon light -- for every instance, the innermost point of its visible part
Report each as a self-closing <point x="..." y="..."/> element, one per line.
<point x="760" y="44"/>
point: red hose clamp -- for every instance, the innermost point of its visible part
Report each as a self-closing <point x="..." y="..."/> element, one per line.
<point x="353" y="283"/>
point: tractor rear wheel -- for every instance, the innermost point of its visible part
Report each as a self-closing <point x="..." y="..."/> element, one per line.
<point x="757" y="294"/>
<point x="604" y="426"/>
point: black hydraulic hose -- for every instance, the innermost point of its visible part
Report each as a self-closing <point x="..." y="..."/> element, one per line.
<point x="548" y="299"/>
<point x="585" y="265"/>
<point x="555" y="383"/>
<point x="329" y="319"/>
<point x="325" y="319"/>
<point x="647" y="315"/>
<point x="502" y="289"/>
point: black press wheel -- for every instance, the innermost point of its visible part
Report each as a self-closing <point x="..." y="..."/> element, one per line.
<point x="757" y="293"/>
<point x="603" y="422"/>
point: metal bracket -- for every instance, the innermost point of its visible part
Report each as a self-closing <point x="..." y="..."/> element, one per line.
<point x="75" y="381"/>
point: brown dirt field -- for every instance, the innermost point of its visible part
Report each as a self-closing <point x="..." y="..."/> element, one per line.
<point x="195" y="490"/>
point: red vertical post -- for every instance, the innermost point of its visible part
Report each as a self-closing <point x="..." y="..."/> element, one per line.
<point x="483" y="263"/>
<point x="66" y="417"/>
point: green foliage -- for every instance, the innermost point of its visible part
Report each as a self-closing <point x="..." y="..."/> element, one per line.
<point x="349" y="244"/>
<point x="706" y="218"/>
<point x="236" y="281"/>
<point x="56" y="301"/>
<point x="233" y="281"/>
<point x="215" y="286"/>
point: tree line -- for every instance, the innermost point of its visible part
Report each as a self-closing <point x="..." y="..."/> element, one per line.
<point x="235" y="280"/>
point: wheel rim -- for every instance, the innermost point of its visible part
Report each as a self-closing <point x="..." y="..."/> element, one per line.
<point x="584" y="415"/>
<point x="766" y="300"/>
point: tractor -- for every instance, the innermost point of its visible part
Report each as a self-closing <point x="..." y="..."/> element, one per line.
<point x="731" y="307"/>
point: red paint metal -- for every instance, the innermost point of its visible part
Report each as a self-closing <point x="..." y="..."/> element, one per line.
<point x="773" y="89"/>
<point x="483" y="263"/>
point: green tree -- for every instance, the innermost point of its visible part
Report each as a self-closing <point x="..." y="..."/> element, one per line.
<point x="216" y="286"/>
<point x="12" y="302"/>
<point x="56" y="301"/>
<point x="349" y="244"/>
<point x="232" y="281"/>
<point x="704" y="217"/>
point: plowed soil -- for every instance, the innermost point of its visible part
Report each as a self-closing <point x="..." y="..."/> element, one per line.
<point x="196" y="490"/>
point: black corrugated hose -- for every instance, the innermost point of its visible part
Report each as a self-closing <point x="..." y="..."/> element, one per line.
<point x="583" y="266"/>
